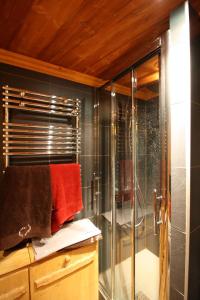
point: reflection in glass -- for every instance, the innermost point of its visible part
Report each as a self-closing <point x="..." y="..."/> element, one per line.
<point x="147" y="179"/>
<point x="130" y="127"/>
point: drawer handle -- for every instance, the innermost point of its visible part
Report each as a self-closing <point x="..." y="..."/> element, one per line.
<point x="66" y="270"/>
<point x="14" y="294"/>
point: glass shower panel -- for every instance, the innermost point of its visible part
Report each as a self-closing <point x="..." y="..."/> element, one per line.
<point x="122" y="167"/>
<point x="132" y="210"/>
<point x="147" y="180"/>
<point x="104" y="221"/>
<point x="116" y="208"/>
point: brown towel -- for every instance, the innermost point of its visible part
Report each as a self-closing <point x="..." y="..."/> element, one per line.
<point x="25" y="204"/>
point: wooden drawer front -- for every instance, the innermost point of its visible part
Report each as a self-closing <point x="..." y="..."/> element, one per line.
<point x="15" y="286"/>
<point x="14" y="260"/>
<point x="69" y="275"/>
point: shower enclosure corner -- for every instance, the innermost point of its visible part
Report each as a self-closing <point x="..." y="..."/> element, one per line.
<point x="133" y="158"/>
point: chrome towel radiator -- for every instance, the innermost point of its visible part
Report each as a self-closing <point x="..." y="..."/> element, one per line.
<point x="30" y="138"/>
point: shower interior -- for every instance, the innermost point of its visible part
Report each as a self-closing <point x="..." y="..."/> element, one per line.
<point x="137" y="173"/>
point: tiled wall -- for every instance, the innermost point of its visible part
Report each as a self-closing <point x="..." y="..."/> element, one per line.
<point x="20" y="78"/>
<point x="194" y="260"/>
<point x="104" y="124"/>
<point x="178" y="198"/>
<point x="185" y="162"/>
<point x="179" y="100"/>
<point x="148" y="167"/>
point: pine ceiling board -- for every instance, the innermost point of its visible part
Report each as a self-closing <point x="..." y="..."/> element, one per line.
<point x="143" y="93"/>
<point x="125" y="80"/>
<point x="110" y="40"/>
<point x="41" y="25"/>
<point x="93" y="25"/>
<point x="146" y="73"/>
<point x="196" y="5"/>
<point x="135" y="53"/>
<point x="113" y="38"/>
<point x="194" y="23"/>
<point x="12" y="14"/>
<point x="100" y="38"/>
<point x="134" y="23"/>
<point x="149" y="79"/>
<point x="149" y="67"/>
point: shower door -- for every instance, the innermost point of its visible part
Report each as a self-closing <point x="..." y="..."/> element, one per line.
<point x="117" y="206"/>
<point x="139" y="168"/>
<point x="133" y="211"/>
<point x="140" y="182"/>
<point x="151" y="184"/>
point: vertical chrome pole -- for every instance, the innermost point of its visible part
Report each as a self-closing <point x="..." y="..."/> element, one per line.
<point x="165" y="192"/>
<point x="113" y="204"/>
<point x="77" y="129"/>
<point x="96" y="174"/>
<point x="133" y="152"/>
<point x="6" y="118"/>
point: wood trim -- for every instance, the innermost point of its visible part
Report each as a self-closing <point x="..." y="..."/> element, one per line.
<point x="14" y="293"/>
<point x="121" y="89"/>
<point x="142" y="94"/>
<point x="148" y="79"/>
<point x="33" y="64"/>
<point x="66" y="270"/>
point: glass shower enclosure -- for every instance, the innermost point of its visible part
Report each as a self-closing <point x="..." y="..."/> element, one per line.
<point x="133" y="161"/>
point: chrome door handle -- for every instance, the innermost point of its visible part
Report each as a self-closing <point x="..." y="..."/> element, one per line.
<point x="95" y="193"/>
<point x="157" y="220"/>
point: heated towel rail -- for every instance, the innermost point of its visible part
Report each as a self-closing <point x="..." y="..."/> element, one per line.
<point x="59" y="137"/>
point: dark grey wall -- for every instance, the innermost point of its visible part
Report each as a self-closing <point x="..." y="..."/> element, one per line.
<point x="17" y="77"/>
<point x="104" y="130"/>
<point x="185" y="187"/>
<point x="194" y="258"/>
<point x="178" y="97"/>
<point x="148" y="158"/>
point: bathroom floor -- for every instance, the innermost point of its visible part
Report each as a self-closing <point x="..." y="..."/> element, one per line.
<point x="146" y="284"/>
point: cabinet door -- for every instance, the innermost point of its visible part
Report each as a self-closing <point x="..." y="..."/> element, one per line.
<point x="14" y="260"/>
<point x="69" y="275"/>
<point x="15" y="286"/>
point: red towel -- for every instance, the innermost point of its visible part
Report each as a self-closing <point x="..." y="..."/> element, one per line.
<point x="66" y="193"/>
<point x="126" y="179"/>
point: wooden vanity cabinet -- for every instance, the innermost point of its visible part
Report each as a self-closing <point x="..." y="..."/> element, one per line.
<point x="14" y="275"/>
<point x="15" y="285"/>
<point x="66" y="275"/>
<point x="69" y="275"/>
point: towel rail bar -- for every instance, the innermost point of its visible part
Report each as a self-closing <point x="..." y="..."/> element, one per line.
<point x="47" y="132"/>
<point x="39" y="143"/>
<point x="7" y="88"/>
<point x="40" y="153"/>
<point x="52" y="112"/>
<point x="23" y="103"/>
<point x="64" y="102"/>
<point x="57" y="138"/>
<point x="40" y="137"/>
<point x="68" y="128"/>
<point x="39" y="147"/>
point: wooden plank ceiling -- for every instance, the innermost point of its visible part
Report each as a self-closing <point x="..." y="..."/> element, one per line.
<point x="147" y="76"/>
<point x="96" y="37"/>
<point x="196" y="6"/>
